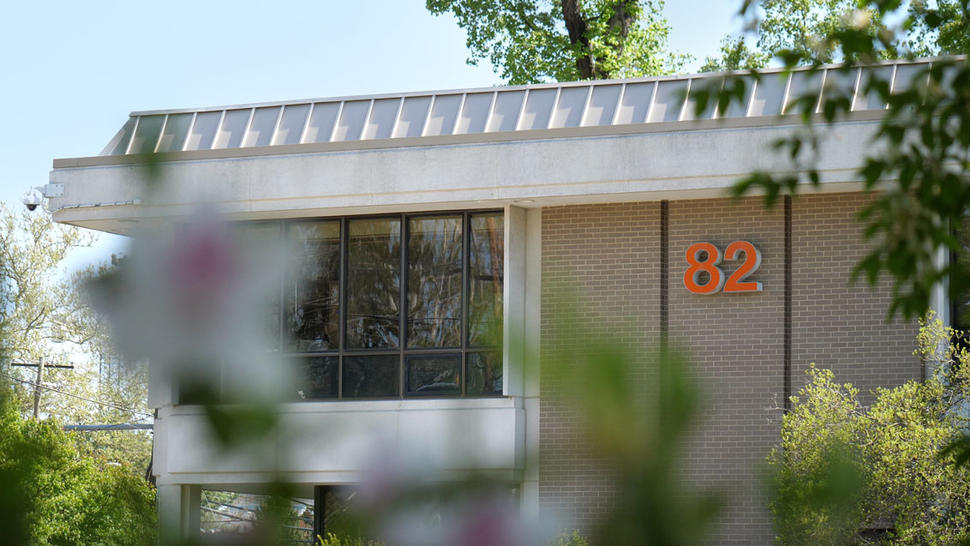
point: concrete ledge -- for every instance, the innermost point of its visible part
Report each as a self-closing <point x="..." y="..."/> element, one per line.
<point x="337" y="442"/>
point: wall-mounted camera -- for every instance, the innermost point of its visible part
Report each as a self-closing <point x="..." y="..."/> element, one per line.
<point x="33" y="199"/>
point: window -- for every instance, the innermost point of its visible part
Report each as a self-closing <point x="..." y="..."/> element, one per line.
<point x="960" y="302"/>
<point x="408" y="305"/>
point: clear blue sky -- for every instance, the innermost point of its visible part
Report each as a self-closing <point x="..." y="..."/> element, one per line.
<point x="72" y="71"/>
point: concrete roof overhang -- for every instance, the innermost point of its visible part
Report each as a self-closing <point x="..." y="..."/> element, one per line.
<point x="541" y="145"/>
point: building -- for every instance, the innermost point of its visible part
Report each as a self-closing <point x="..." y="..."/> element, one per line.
<point x="501" y="198"/>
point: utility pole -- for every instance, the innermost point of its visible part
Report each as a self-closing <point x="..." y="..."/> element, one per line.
<point x="40" y="375"/>
<point x="40" y="365"/>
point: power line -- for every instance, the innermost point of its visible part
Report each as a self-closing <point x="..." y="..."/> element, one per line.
<point x="79" y="397"/>
<point x="99" y="428"/>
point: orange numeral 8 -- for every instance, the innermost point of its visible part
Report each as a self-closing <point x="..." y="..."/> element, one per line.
<point x="735" y="282"/>
<point x="715" y="277"/>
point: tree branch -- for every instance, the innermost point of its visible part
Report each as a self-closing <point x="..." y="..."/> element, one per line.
<point x="524" y="18"/>
<point x="30" y="325"/>
<point x="623" y="17"/>
<point x="578" y="28"/>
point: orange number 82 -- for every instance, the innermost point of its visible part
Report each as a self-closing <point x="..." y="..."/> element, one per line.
<point x="716" y="280"/>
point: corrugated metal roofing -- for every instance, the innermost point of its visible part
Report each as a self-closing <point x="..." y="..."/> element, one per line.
<point x="486" y="110"/>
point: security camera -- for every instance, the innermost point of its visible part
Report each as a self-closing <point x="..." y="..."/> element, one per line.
<point x="32" y="199"/>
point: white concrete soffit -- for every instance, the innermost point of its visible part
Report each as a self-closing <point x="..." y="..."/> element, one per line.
<point x="364" y="122"/>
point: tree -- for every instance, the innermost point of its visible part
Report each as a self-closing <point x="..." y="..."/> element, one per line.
<point x="530" y="41"/>
<point x="51" y="493"/>
<point x="844" y="472"/>
<point x="44" y="314"/>
<point x="798" y="27"/>
<point x="36" y="307"/>
<point x="117" y="390"/>
<point x="736" y="55"/>
<point x="938" y="30"/>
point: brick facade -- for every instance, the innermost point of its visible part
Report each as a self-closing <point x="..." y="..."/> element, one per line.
<point x="610" y="254"/>
<point x="836" y="325"/>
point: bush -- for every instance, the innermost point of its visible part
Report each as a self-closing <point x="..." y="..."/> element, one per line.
<point x="845" y="473"/>
<point x="51" y="494"/>
<point x="334" y="540"/>
<point x="570" y="538"/>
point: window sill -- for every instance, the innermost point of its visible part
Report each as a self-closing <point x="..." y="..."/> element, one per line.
<point x="356" y="406"/>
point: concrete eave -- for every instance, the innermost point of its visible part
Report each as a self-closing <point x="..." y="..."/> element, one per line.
<point x="672" y="160"/>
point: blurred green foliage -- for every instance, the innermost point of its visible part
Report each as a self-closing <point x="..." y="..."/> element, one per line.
<point x="566" y="538"/>
<point x="335" y="540"/>
<point x="570" y="538"/>
<point x="636" y="408"/>
<point x="844" y="473"/>
<point x="50" y="493"/>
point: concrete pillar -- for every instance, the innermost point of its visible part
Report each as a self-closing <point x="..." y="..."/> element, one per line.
<point x="513" y="301"/>
<point x="531" y="327"/>
<point x="940" y="297"/>
<point x="178" y="512"/>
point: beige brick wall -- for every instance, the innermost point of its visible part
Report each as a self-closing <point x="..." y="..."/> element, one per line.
<point x="836" y="325"/>
<point x="610" y="254"/>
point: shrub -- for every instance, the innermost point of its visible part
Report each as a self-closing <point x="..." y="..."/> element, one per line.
<point x="335" y="540"/>
<point x="845" y="473"/>
<point x="570" y="538"/>
<point x="51" y="494"/>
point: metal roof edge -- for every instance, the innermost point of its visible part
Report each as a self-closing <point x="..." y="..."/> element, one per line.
<point x="550" y="85"/>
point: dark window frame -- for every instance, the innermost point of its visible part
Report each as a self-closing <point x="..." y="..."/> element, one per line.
<point x="403" y="352"/>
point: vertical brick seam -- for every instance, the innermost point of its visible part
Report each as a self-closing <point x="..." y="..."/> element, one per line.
<point x="664" y="272"/>
<point x="786" y="404"/>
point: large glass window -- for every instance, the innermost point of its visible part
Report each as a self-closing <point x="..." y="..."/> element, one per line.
<point x="435" y="260"/>
<point x="960" y="304"/>
<point x="374" y="283"/>
<point x="313" y="286"/>
<point x="485" y="280"/>
<point x="408" y="305"/>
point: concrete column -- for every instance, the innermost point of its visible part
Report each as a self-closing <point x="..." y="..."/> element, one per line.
<point x="530" y="387"/>
<point x="178" y="512"/>
<point x="522" y="302"/>
<point x="162" y="390"/>
<point x="940" y="298"/>
<point x="513" y="301"/>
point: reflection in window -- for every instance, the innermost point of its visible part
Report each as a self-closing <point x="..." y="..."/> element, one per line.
<point x="484" y="374"/>
<point x="351" y="283"/>
<point x="313" y="285"/>
<point x="434" y="375"/>
<point x="486" y="263"/>
<point x="434" y="281"/>
<point x="373" y="283"/>
<point x="371" y="376"/>
<point x="317" y="378"/>
<point x="960" y="304"/>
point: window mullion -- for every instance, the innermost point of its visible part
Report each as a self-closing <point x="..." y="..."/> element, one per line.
<point x="342" y="308"/>
<point x="465" y="279"/>
<point x="402" y="312"/>
<point x="281" y="304"/>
